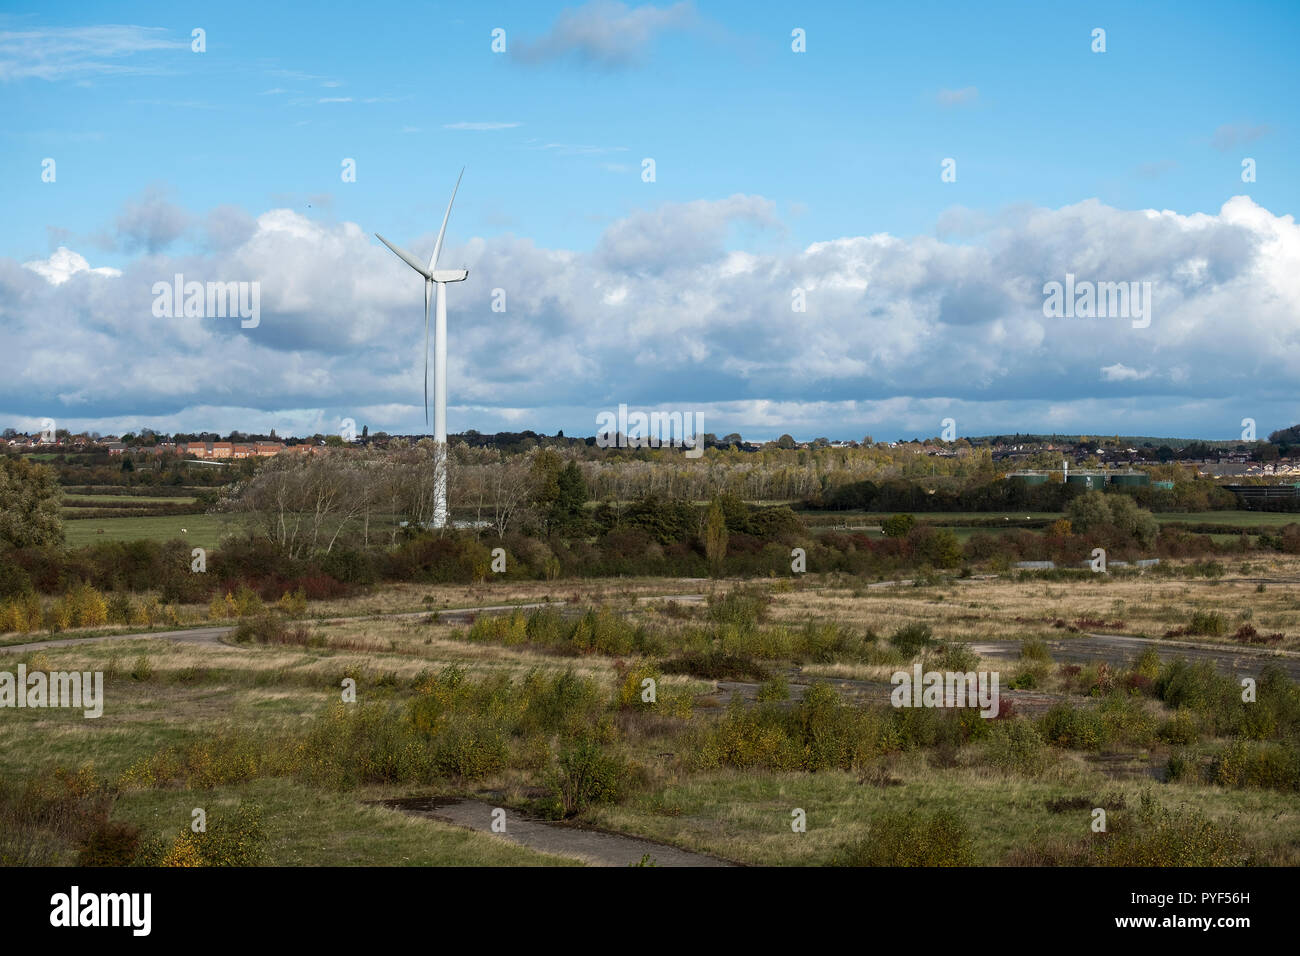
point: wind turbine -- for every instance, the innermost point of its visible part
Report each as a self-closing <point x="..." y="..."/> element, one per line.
<point x="433" y="276"/>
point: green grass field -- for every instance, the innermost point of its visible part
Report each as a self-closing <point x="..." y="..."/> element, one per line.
<point x="1252" y="519"/>
<point x="204" y="531"/>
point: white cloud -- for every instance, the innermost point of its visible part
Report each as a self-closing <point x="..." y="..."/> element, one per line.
<point x="63" y="265"/>
<point x="52" y="53"/>
<point x="1122" y="373"/>
<point x="676" y="304"/>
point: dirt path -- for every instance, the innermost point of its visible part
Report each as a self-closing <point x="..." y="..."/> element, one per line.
<point x="594" y="847"/>
<point x="194" y="635"/>
<point x="1117" y="648"/>
<point x="214" y="634"/>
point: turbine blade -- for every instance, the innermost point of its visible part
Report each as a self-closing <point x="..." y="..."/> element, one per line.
<point x="427" y="286"/>
<point x="437" y="248"/>
<point x="405" y="256"/>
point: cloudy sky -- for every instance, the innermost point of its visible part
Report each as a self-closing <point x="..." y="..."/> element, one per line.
<point x="849" y="240"/>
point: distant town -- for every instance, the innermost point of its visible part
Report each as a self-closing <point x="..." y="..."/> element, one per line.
<point x="1278" y="457"/>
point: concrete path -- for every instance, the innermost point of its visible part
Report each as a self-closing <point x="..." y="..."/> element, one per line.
<point x="594" y="847"/>
<point x="195" y="635"/>
<point x="214" y="634"/>
<point x="1117" y="648"/>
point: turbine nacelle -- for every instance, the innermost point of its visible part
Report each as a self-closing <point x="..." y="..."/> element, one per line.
<point x="432" y="275"/>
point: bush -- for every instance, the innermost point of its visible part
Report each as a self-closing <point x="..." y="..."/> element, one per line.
<point x="236" y="841"/>
<point x="1208" y="623"/>
<point x="632" y="689"/>
<point x="1271" y="766"/>
<point x="470" y="750"/>
<point x="355" y="744"/>
<point x="1015" y="746"/>
<point x="112" y="843"/>
<point x="1181" y="729"/>
<point x="1162" y="837"/>
<point x="1066" y="726"/>
<point x="774" y="688"/>
<point x="742" y="608"/>
<point x="586" y="776"/>
<point x="1035" y="649"/>
<point x="897" y="526"/>
<point x="913" y="638"/>
<point x="912" y="838"/>
<point x="715" y="665"/>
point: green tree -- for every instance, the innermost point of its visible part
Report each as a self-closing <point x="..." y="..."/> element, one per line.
<point x="1089" y="512"/>
<point x="897" y="526"/>
<point x="559" y="491"/>
<point x="571" y="496"/>
<point x="1127" y="518"/>
<point x="29" y="504"/>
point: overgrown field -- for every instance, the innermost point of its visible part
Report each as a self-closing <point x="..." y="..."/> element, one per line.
<point x="710" y="723"/>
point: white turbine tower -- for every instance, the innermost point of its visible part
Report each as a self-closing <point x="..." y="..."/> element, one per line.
<point x="433" y="276"/>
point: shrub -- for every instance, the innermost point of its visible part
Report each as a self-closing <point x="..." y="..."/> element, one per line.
<point x="237" y="840"/>
<point x="1163" y="837"/>
<point x="740" y="607"/>
<point x="897" y="526"/>
<point x="1272" y="766"/>
<point x="774" y="688"/>
<point x="715" y="665"/>
<point x="1127" y="720"/>
<point x="633" y="690"/>
<point x="956" y="657"/>
<point x="1208" y="623"/>
<point x="295" y="604"/>
<point x="1035" y="649"/>
<point x="911" y="639"/>
<point x="470" y="750"/>
<point x="586" y="776"/>
<point x="112" y="843"/>
<point x="355" y="744"/>
<point x="912" y="838"/>
<point x="1180" y="729"/>
<point x="142" y="670"/>
<point x="1015" y="746"/>
<point x="1067" y="726"/>
<point x="119" y="609"/>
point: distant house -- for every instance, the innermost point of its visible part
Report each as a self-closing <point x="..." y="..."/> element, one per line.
<point x="116" y="448"/>
<point x="222" y="449"/>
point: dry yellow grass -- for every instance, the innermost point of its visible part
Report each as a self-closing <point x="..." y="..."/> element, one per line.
<point x="999" y="609"/>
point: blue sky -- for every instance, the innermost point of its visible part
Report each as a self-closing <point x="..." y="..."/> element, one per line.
<point x="821" y="168"/>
